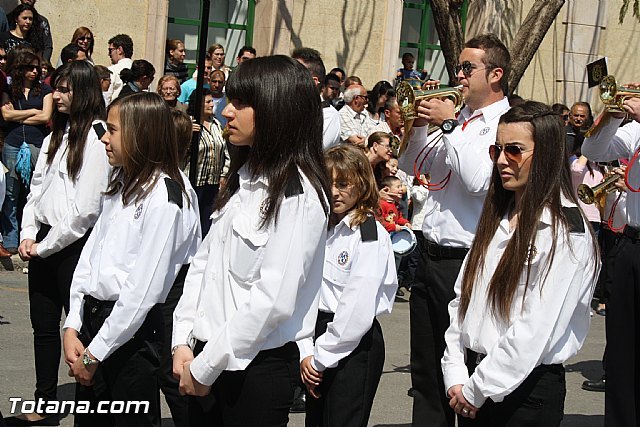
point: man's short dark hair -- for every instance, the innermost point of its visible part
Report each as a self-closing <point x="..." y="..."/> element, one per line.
<point x="312" y="60"/>
<point x="496" y="55"/>
<point x="103" y="72"/>
<point x="69" y="53"/>
<point x="123" y="41"/>
<point x="406" y="55"/>
<point x="329" y="77"/>
<point x="338" y="70"/>
<point x="244" y="49"/>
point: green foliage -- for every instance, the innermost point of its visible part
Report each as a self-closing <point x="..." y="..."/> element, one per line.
<point x="625" y="8"/>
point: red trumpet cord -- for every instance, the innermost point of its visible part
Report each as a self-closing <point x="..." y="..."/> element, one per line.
<point x="418" y="167"/>
<point x="633" y="160"/>
<point x="610" y="219"/>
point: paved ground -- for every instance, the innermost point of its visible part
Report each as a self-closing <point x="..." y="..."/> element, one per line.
<point x="392" y="406"/>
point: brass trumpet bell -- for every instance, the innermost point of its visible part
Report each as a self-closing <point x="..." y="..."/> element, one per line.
<point x="612" y="95"/>
<point x="410" y="91"/>
<point x="589" y="195"/>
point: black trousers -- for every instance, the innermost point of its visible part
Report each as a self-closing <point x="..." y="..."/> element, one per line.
<point x="431" y="293"/>
<point x="537" y="402"/>
<point x="622" y="395"/>
<point x="260" y="395"/>
<point x="607" y="240"/>
<point x="49" y="284"/>
<point x="206" y="196"/>
<point x="347" y="391"/>
<point x="178" y="405"/>
<point x="129" y="374"/>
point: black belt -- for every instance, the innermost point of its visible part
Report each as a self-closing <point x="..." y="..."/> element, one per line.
<point x="95" y="305"/>
<point x="283" y="351"/>
<point x="438" y="251"/>
<point x="631" y="232"/>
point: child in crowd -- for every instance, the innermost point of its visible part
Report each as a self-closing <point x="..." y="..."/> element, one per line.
<point x="341" y="366"/>
<point x="390" y="217"/>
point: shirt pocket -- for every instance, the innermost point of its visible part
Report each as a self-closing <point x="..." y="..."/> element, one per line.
<point x="336" y="273"/>
<point x="247" y="249"/>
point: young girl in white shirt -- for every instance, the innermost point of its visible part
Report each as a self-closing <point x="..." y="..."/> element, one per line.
<point x="64" y="202"/>
<point x="342" y="364"/>
<point x="148" y="229"/>
<point x="252" y="289"/>
<point x="523" y="295"/>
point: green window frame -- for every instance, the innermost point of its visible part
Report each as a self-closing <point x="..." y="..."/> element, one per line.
<point x="248" y="28"/>
<point x="425" y="29"/>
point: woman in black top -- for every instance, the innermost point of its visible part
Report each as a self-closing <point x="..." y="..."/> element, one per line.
<point x="26" y="108"/>
<point x="26" y="29"/>
<point x="136" y="79"/>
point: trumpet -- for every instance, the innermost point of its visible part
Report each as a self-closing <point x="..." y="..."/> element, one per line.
<point x="409" y="91"/>
<point x="589" y="195"/>
<point x="613" y="96"/>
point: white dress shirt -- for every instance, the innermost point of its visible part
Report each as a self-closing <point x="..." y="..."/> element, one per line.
<point x="116" y="82"/>
<point x="452" y="213"/>
<point x="330" y="127"/>
<point x="359" y="282"/>
<point x="547" y="327"/>
<point x="612" y="142"/>
<point x="70" y="208"/>
<point x="352" y="123"/>
<point x="249" y="288"/>
<point x="133" y="257"/>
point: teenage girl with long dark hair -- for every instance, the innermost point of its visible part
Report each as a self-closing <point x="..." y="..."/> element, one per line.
<point x="252" y="289"/>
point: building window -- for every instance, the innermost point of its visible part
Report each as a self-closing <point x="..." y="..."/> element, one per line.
<point x="230" y="24"/>
<point x="420" y="37"/>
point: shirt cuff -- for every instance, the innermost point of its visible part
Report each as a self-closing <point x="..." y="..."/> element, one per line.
<point x="472" y="394"/>
<point x="99" y="348"/>
<point x="454" y="375"/>
<point x="204" y="374"/>
<point x="73" y="321"/>
<point x="317" y="365"/>
<point x="180" y="335"/>
<point x="29" y="232"/>
<point x="305" y="347"/>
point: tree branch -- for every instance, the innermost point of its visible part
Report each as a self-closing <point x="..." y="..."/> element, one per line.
<point x="529" y="36"/>
<point x="446" y="14"/>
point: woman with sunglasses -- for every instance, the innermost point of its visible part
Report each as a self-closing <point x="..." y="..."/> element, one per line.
<point x="83" y="37"/>
<point x="523" y="294"/>
<point x="26" y="108"/>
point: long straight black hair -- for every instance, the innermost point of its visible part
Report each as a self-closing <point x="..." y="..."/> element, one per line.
<point x="549" y="180"/>
<point x="87" y="105"/>
<point x="288" y="129"/>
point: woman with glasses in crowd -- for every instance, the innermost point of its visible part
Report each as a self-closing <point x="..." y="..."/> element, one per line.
<point x="169" y="89"/>
<point x="27" y="106"/>
<point x="83" y="37"/>
<point x="522" y="305"/>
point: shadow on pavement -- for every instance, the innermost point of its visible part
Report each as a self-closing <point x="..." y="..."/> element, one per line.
<point x="590" y="369"/>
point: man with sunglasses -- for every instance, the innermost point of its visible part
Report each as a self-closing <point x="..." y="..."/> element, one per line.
<point x="622" y="362"/>
<point x="354" y="121"/>
<point x="454" y="210"/>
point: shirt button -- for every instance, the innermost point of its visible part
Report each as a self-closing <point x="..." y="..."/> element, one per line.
<point x="201" y="313"/>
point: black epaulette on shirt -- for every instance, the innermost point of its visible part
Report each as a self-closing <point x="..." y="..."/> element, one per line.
<point x="174" y="191"/>
<point x="99" y="130"/>
<point x="368" y="230"/>
<point x="294" y="186"/>
<point x="574" y="219"/>
<point x="326" y="103"/>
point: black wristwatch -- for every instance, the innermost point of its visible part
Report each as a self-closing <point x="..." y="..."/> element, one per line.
<point x="448" y="125"/>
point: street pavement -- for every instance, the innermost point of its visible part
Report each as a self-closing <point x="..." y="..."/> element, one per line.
<point x="392" y="406"/>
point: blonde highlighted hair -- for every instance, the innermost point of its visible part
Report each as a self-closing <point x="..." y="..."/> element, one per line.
<point x="349" y="164"/>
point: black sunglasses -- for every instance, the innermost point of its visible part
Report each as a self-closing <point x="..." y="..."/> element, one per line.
<point x="513" y="153"/>
<point x="467" y="67"/>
